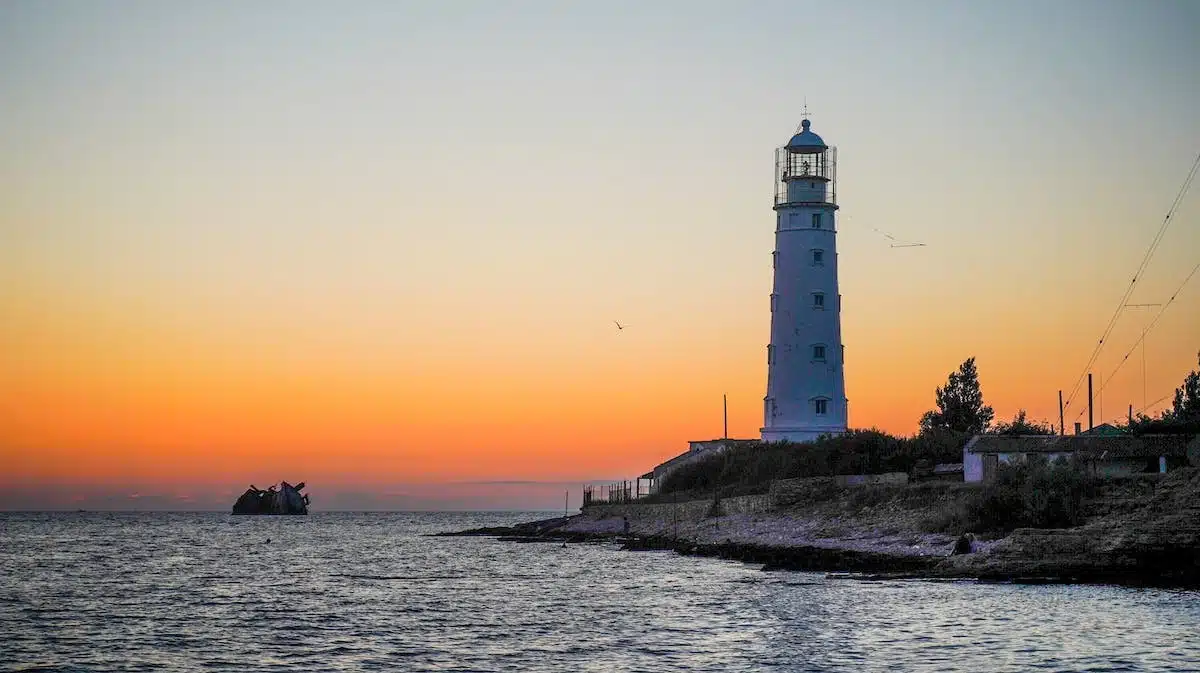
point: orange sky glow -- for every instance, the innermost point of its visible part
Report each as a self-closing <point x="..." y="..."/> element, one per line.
<point x="223" y="262"/>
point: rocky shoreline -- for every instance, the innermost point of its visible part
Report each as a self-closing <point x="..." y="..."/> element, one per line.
<point x="856" y="564"/>
<point x="1143" y="534"/>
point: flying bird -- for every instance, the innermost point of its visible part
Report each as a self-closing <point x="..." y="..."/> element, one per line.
<point x="619" y="325"/>
<point x="897" y="243"/>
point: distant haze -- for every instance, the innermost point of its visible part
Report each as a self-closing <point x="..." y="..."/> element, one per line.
<point x="364" y="244"/>
<point x="468" y="496"/>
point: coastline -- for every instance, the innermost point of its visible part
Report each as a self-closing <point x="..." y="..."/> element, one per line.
<point x="1141" y="533"/>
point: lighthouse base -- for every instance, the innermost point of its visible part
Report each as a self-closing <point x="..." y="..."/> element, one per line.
<point x="797" y="434"/>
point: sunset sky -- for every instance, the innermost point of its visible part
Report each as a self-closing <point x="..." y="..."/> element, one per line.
<point x="379" y="246"/>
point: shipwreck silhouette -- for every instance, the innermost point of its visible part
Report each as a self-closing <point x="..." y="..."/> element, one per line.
<point x="286" y="500"/>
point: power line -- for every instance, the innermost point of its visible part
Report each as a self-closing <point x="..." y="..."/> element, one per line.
<point x="1144" y="329"/>
<point x="1155" y="402"/>
<point x="1187" y="183"/>
<point x="1136" y="276"/>
<point x="1150" y="326"/>
<point x="1108" y="379"/>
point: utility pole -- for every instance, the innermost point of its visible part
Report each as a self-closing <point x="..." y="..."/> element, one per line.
<point x="725" y="408"/>
<point x="1089" y="400"/>
<point x="1061" y="427"/>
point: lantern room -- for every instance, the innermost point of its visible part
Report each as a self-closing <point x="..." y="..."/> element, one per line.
<point x="805" y="169"/>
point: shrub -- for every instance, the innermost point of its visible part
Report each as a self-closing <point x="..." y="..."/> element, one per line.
<point x="1030" y="494"/>
<point x="1163" y="425"/>
<point x="751" y="468"/>
<point x="936" y="445"/>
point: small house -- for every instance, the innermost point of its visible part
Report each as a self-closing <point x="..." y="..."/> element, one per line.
<point x="1102" y="454"/>
<point x="1104" y="430"/>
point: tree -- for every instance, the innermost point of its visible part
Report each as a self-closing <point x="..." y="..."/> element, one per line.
<point x="960" y="403"/>
<point x="1020" y="425"/>
<point x="1184" y="415"/>
<point x="1187" y="398"/>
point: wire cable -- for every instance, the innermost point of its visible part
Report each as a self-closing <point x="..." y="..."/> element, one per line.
<point x="1108" y="379"/>
<point x="1137" y="275"/>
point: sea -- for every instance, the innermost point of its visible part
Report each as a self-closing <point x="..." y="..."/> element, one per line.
<point x="373" y="591"/>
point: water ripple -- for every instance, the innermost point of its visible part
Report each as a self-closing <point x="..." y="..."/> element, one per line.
<point x="183" y="592"/>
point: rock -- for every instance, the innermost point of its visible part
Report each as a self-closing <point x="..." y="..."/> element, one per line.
<point x="528" y="529"/>
<point x="1143" y="537"/>
<point x="963" y="544"/>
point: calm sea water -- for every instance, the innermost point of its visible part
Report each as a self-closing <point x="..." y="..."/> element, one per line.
<point x="328" y="592"/>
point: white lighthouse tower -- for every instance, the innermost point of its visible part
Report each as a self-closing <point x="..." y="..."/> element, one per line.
<point x="806" y="383"/>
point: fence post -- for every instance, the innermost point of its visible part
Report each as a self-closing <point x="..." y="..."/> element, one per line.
<point x="675" y="511"/>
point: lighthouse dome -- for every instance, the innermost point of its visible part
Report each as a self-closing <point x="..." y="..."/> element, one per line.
<point x="805" y="142"/>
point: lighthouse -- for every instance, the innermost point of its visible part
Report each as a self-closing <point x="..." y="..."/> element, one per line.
<point x="806" y="382"/>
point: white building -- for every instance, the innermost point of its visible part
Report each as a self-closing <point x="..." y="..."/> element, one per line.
<point x="806" y="385"/>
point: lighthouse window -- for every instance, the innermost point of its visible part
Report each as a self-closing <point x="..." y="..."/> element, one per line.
<point x="770" y="355"/>
<point x="819" y="353"/>
<point x="816" y="221"/>
<point x="774" y="302"/>
<point x="820" y="406"/>
<point x="818" y="300"/>
<point x="775" y="260"/>
<point x="818" y="257"/>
